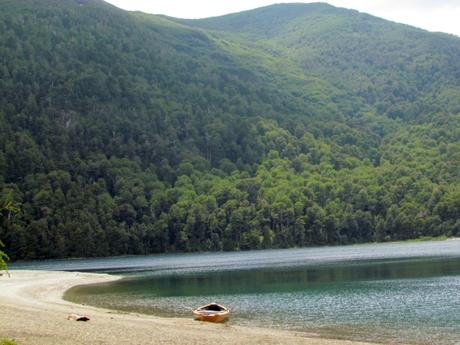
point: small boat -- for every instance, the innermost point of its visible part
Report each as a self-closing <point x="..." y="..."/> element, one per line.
<point x="212" y="312"/>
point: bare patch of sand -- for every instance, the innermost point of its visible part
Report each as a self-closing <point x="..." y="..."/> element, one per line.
<point x="33" y="312"/>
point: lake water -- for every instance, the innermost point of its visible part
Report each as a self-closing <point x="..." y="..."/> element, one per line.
<point x="392" y="293"/>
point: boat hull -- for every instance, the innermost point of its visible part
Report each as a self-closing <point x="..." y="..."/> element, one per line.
<point x="218" y="317"/>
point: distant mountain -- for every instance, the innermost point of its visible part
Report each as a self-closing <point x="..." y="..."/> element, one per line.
<point x="288" y="125"/>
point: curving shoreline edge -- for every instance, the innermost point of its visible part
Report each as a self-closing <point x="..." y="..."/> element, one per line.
<point x="33" y="312"/>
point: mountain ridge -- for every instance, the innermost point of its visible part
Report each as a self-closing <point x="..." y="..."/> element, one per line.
<point x="276" y="14"/>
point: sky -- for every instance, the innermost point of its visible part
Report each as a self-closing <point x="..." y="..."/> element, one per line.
<point x="432" y="15"/>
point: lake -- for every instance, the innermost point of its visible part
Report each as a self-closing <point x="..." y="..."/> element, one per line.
<point x="394" y="292"/>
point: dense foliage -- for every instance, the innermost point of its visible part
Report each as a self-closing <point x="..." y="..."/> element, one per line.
<point x="290" y="125"/>
<point x="6" y="210"/>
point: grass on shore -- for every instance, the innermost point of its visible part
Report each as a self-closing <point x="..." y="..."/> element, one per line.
<point x="8" y="342"/>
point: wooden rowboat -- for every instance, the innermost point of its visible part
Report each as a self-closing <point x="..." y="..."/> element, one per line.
<point x="212" y="312"/>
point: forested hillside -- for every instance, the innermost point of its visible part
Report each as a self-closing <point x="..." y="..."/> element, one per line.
<point x="289" y="125"/>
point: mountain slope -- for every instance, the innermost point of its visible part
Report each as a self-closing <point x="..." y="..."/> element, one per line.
<point x="127" y="133"/>
<point x="375" y="59"/>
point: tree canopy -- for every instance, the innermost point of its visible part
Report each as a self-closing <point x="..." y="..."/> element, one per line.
<point x="290" y="125"/>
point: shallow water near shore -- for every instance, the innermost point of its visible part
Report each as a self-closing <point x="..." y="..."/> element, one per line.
<point x="391" y="293"/>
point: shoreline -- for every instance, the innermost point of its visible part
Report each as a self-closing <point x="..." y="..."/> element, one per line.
<point x="19" y="263"/>
<point x="33" y="312"/>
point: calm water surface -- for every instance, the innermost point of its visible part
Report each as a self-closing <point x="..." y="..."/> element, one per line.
<point x="393" y="293"/>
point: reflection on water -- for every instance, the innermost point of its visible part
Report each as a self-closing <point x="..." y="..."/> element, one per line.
<point x="269" y="280"/>
<point x="400" y="293"/>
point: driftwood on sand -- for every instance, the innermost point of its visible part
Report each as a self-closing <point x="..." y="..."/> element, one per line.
<point x="77" y="317"/>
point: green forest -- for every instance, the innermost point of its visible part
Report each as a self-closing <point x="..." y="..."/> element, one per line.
<point x="289" y="125"/>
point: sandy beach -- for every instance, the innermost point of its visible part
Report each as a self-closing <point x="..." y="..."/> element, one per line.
<point x="33" y="312"/>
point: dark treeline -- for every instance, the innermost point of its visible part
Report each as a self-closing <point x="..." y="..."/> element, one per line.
<point x="125" y="133"/>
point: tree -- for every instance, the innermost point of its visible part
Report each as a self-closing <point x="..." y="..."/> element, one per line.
<point x="7" y="208"/>
<point x="3" y="259"/>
